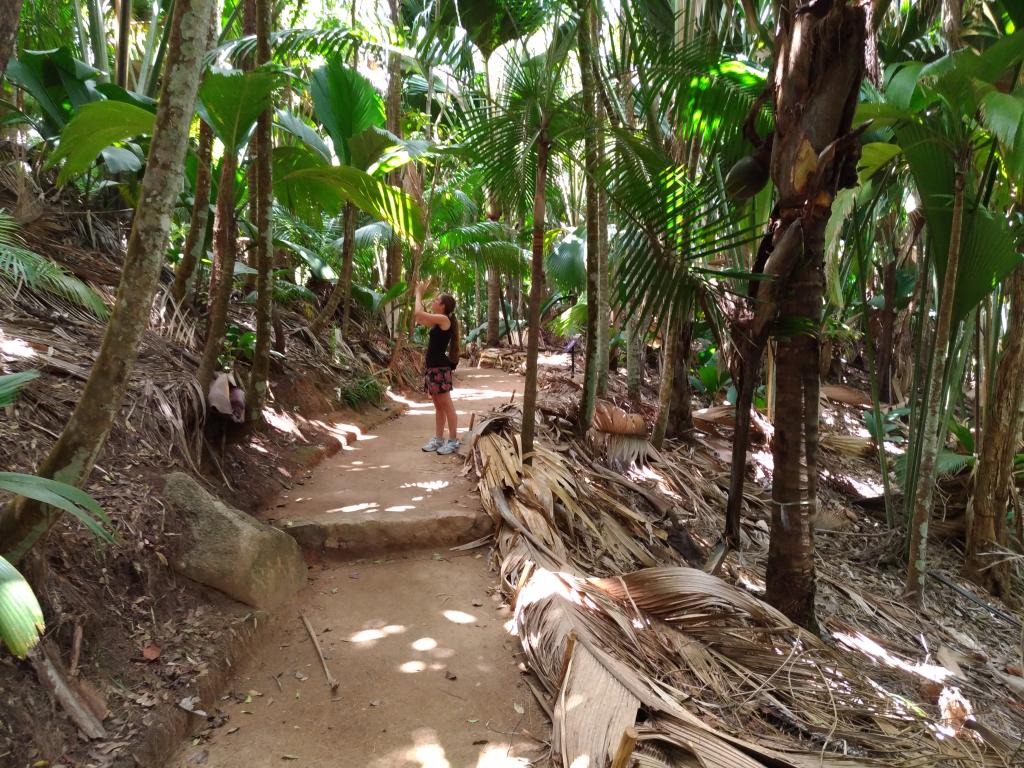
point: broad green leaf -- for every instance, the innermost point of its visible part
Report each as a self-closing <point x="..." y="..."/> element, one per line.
<point x="21" y="618"/>
<point x="317" y="265"/>
<point x="295" y="125"/>
<point x="902" y="85"/>
<point x="12" y="383"/>
<point x="987" y="257"/>
<point x="117" y="93"/>
<point x="61" y="496"/>
<point x="346" y="103"/>
<point x="367" y="147"/>
<point x="230" y="101"/>
<point x="310" y="201"/>
<point x="95" y="127"/>
<point x="881" y="114"/>
<point x="1003" y="115"/>
<point x="566" y="263"/>
<point x="873" y="156"/>
<point x="120" y="160"/>
<point x="365" y="192"/>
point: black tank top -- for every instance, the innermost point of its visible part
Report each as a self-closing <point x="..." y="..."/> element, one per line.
<point x="437" y="346"/>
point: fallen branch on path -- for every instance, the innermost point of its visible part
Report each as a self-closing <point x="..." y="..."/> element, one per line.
<point x="316" y="645"/>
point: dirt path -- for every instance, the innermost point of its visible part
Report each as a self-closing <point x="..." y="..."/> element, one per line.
<point x="428" y="675"/>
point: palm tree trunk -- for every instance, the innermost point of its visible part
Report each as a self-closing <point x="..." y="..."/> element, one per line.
<point x="393" y="115"/>
<point x="98" y="36"/>
<point x="222" y="275"/>
<point x="790" y="579"/>
<point x="72" y="458"/>
<point x="680" y="414"/>
<point x="592" y="365"/>
<point x="930" y="427"/>
<point x="342" y="287"/>
<point x="993" y="477"/>
<point x="536" y="297"/>
<point x="264" y="148"/>
<point x="603" y="309"/>
<point x="668" y="374"/>
<point x="477" y="316"/>
<point x="493" y="308"/>
<point x="818" y="71"/>
<point x="634" y="362"/>
<point x="9" y="20"/>
<point x="195" y="241"/>
<point x="124" y="30"/>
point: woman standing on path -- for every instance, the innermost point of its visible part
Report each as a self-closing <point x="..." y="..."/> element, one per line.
<point x="442" y="357"/>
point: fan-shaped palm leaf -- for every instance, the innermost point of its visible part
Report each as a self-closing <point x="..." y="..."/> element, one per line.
<point x="668" y="225"/>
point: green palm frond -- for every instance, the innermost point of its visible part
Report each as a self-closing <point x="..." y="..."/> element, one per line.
<point x="668" y="225"/>
<point x="500" y="138"/>
<point x="701" y="92"/>
<point x="21" y="618"/>
<point x="506" y="257"/>
<point x="473" y="234"/>
<point x="20" y="266"/>
<point x="287" y="45"/>
<point x="12" y="383"/>
<point x="566" y="263"/>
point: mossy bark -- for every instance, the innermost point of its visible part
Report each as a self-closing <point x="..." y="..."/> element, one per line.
<point x="592" y="364"/>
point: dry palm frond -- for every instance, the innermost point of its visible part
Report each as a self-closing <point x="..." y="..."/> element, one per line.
<point x="710" y="675"/>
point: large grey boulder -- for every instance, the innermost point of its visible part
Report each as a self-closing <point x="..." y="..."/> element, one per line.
<point x="232" y="551"/>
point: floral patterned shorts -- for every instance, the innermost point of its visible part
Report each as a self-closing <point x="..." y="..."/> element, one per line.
<point x="437" y="381"/>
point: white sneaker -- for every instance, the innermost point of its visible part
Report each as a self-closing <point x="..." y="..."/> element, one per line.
<point x="450" y="446"/>
<point x="435" y="444"/>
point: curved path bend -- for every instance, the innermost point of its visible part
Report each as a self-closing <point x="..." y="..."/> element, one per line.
<point x="413" y="631"/>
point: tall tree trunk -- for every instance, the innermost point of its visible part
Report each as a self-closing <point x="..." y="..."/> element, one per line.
<point x="477" y="316"/>
<point x="222" y="275"/>
<point x="72" y="458"/>
<point x="494" y="308"/>
<point x="817" y="75"/>
<point x="680" y="414"/>
<point x="195" y="241"/>
<point x="668" y="374"/>
<point x="885" y="339"/>
<point x="790" y="573"/>
<point x="98" y="37"/>
<point x="993" y="477"/>
<point x="393" y="110"/>
<point x="592" y="365"/>
<point x="264" y="148"/>
<point x="634" y="361"/>
<point x="343" y="286"/>
<point x="603" y="309"/>
<point x="124" y="31"/>
<point x="931" y="429"/>
<point x="9" y="19"/>
<point x="536" y="296"/>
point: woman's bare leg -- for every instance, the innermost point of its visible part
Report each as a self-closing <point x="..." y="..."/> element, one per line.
<point x="446" y="406"/>
<point x="439" y="416"/>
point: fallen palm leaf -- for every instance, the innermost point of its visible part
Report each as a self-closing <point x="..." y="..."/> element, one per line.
<point x="620" y="635"/>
